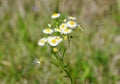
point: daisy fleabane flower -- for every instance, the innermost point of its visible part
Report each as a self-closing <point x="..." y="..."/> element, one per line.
<point x="66" y="31"/>
<point x="63" y="26"/>
<point x="48" y="31"/>
<point x="72" y="18"/>
<point x="71" y="24"/>
<point x="54" y="41"/>
<point x="42" y="42"/>
<point x="58" y="38"/>
<point x="55" y="15"/>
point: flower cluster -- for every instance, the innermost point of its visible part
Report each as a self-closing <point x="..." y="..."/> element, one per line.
<point x="55" y="34"/>
<point x="58" y="31"/>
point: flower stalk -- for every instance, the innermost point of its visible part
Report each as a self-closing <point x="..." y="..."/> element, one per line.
<point x="58" y="39"/>
<point x="62" y="67"/>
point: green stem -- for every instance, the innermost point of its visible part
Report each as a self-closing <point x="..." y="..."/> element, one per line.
<point x="68" y="41"/>
<point x="57" y="6"/>
<point x="63" y="54"/>
<point x="68" y="74"/>
<point x="61" y="65"/>
<point x="54" y="64"/>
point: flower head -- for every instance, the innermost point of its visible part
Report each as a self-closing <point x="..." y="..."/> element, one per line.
<point x="55" y="15"/>
<point x="66" y="31"/>
<point x="48" y="31"/>
<point x="54" y="41"/>
<point x="71" y="24"/>
<point x="38" y="61"/>
<point x="58" y="38"/>
<point x="42" y="42"/>
<point x="55" y="49"/>
<point x="63" y="26"/>
<point x="72" y="18"/>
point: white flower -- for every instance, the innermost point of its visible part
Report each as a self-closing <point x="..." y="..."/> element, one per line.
<point x="39" y="61"/>
<point x="57" y="30"/>
<point x="71" y="24"/>
<point x="55" y="15"/>
<point x="58" y="38"/>
<point x="63" y="26"/>
<point x="72" y="18"/>
<point x="48" y="31"/>
<point x="42" y="42"/>
<point x="53" y="42"/>
<point x="66" y="31"/>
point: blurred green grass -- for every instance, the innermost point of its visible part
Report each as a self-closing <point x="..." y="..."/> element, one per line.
<point x="96" y="51"/>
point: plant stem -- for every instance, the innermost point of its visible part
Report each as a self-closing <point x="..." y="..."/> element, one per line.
<point x="68" y="74"/>
<point x="63" y="54"/>
<point x="61" y="66"/>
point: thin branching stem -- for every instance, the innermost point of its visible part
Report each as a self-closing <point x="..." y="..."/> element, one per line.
<point x="67" y="72"/>
<point x="63" y="54"/>
<point x="63" y="68"/>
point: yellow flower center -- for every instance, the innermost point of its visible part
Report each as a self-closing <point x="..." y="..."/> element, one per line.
<point x="55" y="14"/>
<point x="72" y="23"/>
<point x="55" y="49"/>
<point x="66" y="30"/>
<point x="53" y="41"/>
<point x="63" y="26"/>
<point x="48" y="30"/>
<point x="42" y="41"/>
